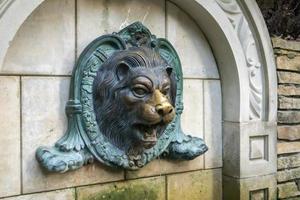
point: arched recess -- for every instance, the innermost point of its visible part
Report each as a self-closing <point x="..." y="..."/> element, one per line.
<point x="239" y="40"/>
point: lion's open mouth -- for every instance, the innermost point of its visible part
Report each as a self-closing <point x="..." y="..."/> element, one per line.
<point x="148" y="133"/>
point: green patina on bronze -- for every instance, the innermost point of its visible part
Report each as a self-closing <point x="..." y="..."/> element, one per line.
<point x="84" y="141"/>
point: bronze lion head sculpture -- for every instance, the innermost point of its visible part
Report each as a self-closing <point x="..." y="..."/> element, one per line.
<point x="125" y="105"/>
<point x="134" y="98"/>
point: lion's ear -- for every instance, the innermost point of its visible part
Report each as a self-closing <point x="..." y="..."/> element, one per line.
<point x="169" y="70"/>
<point x="122" y="70"/>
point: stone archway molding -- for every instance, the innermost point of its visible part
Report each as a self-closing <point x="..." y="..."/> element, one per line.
<point x="12" y="15"/>
<point x="241" y="45"/>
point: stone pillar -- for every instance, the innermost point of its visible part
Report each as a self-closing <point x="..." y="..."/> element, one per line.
<point x="249" y="160"/>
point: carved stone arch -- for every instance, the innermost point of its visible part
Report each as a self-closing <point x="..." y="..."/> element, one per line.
<point x="10" y="22"/>
<point x="227" y="25"/>
<point x="241" y="45"/>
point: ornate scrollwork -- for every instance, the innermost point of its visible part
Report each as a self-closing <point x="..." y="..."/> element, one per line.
<point x="246" y="39"/>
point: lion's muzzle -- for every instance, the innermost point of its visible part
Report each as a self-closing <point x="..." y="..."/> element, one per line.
<point x="163" y="107"/>
<point x="158" y="109"/>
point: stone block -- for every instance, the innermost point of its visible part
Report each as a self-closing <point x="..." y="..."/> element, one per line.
<point x="288" y="161"/>
<point x="192" y="116"/>
<point x="231" y="149"/>
<point x="166" y="166"/>
<point x="288" y="77"/>
<point x="286" y="63"/>
<point x="45" y="43"/>
<point x="213" y="123"/>
<point x="288" y="102"/>
<point x="255" y="188"/>
<point x="148" y="188"/>
<point x="293" y="198"/>
<point x="288" y="132"/>
<point x="10" y="172"/>
<point x="191" y="45"/>
<point x="204" y="185"/>
<point x="289" y="90"/>
<point x="249" y="149"/>
<point x="44" y="122"/>
<point x="287" y="147"/>
<point x="288" y="117"/>
<point x="287" y="175"/>
<point x="285" y="44"/>
<point x="289" y="189"/>
<point x="68" y="194"/>
<point x="98" y="17"/>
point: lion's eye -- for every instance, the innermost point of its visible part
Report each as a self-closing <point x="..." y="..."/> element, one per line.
<point x="165" y="90"/>
<point x="140" y="90"/>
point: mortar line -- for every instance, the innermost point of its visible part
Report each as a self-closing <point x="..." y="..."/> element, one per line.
<point x="76" y="195"/>
<point x="40" y="192"/>
<point x="200" y="78"/>
<point x="166" y="185"/>
<point x="203" y="114"/>
<point x="76" y="28"/>
<point x="36" y="75"/>
<point x="166" y="19"/>
<point x="21" y="132"/>
<point x="288" y="70"/>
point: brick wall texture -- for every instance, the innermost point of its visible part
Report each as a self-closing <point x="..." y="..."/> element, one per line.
<point x="287" y="54"/>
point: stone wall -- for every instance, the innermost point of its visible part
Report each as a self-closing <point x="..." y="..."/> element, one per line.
<point x="288" y="67"/>
<point x="34" y="84"/>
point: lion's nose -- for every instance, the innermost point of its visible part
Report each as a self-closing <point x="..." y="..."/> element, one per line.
<point x="164" y="109"/>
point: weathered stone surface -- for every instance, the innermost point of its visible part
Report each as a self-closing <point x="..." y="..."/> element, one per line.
<point x="288" y="161"/>
<point x="286" y="190"/>
<point x="148" y="188"/>
<point x="98" y="17"/>
<point x="192" y="116"/>
<point x="164" y="166"/>
<point x="205" y="184"/>
<point x="213" y="123"/>
<point x="44" y="122"/>
<point x="250" y="188"/>
<point x="258" y="194"/>
<point x="10" y="173"/>
<point x="289" y="90"/>
<point x="287" y="175"/>
<point x="288" y="102"/>
<point x="288" y="77"/>
<point x="191" y="45"/>
<point x="45" y="43"/>
<point x="285" y="44"/>
<point x="288" y="147"/>
<point x="68" y="194"/>
<point x="241" y="141"/>
<point x="289" y="117"/>
<point x="289" y="132"/>
<point x="284" y="62"/>
<point x="293" y="198"/>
